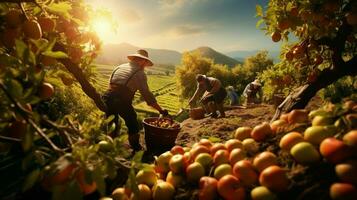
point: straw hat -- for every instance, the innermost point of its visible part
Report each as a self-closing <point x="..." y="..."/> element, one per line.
<point x="143" y="54"/>
<point x="256" y="82"/>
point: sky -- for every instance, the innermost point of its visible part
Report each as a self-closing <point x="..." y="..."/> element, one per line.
<point x="225" y="25"/>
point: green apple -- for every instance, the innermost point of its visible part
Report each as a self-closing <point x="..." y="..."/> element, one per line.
<point x="315" y="134"/>
<point x="305" y="153"/>
<point x="262" y="193"/>
<point x="194" y="172"/>
<point x="222" y="170"/>
<point x="147" y="177"/>
<point x="205" y="159"/>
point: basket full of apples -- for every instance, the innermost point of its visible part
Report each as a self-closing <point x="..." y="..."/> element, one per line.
<point x="160" y="133"/>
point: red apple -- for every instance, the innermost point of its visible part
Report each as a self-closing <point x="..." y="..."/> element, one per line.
<point x="177" y="150"/>
<point x="260" y="132"/>
<point x="334" y="150"/>
<point x="274" y="178"/>
<point x="343" y="191"/>
<point x="220" y="157"/>
<point x="245" y="172"/>
<point x="347" y="171"/>
<point x="242" y="133"/>
<point x="289" y="140"/>
<point x="351" y="138"/>
<point x="205" y="142"/>
<point x="236" y="155"/>
<point x="222" y="170"/>
<point x="208" y="188"/>
<point x="194" y="172"/>
<point x="217" y="146"/>
<point x="298" y="116"/>
<point x="264" y="160"/>
<point x="233" y="144"/>
<point x="277" y="125"/>
<point x="199" y="149"/>
<point x="229" y="188"/>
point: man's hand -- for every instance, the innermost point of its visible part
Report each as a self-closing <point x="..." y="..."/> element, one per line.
<point x="164" y="112"/>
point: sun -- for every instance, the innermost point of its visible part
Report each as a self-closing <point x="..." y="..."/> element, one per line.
<point x="104" y="28"/>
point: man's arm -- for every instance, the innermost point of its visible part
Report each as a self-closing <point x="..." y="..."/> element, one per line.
<point x="198" y="92"/>
<point x="216" y="85"/>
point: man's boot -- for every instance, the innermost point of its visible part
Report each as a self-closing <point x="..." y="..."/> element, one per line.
<point x="221" y="110"/>
<point x="213" y="109"/>
<point x="134" y="141"/>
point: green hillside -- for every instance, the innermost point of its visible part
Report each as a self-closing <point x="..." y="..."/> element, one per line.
<point x="217" y="57"/>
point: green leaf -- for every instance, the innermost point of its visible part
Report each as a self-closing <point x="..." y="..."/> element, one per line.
<point x="131" y="182"/>
<point x="29" y="56"/>
<point x="137" y="157"/>
<point x="214" y="139"/>
<point x="259" y="23"/>
<point x="61" y="8"/>
<point x="55" y="54"/>
<point x="15" y="88"/>
<point x="259" y="10"/>
<point x="20" y="48"/>
<point x="31" y="180"/>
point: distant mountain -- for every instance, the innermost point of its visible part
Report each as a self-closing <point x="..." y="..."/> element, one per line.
<point x="218" y="57"/>
<point x="241" y="55"/>
<point x="117" y="53"/>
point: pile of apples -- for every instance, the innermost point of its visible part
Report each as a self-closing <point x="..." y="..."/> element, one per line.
<point x="241" y="169"/>
<point x="166" y="123"/>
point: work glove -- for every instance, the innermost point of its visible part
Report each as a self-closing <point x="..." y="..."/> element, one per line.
<point x="164" y="112"/>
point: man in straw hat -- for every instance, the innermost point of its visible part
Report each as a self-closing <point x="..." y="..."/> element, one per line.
<point x="213" y="97"/>
<point x="124" y="81"/>
<point x="251" y="90"/>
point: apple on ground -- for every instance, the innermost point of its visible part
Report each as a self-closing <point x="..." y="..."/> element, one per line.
<point x="343" y="191"/>
<point x="289" y="140"/>
<point x="274" y="178"/>
<point x="221" y="157"/>
<point x="177" y="163"/>
<point x="174" y="179"/>
<point x="250" y="146"/>
<point x="177" y="150"/>
<point x="162" y="162"/>
<point x="264" y="160"/>
<point x="236" y="155"/>
<point x="217" y="146"/>
<point x="163" y="191"/>
<point x="144" y="193"/>
<point x="262" y="193"/>
<point x="194" y="172"/>
<point x="244" y="171"/>
<point x="222" y="170"/>
<point x="119" y="194"/>
<point x="305" y="153"/>
<point x="320" y="120"/>
<point x="315" y="134"/>
<point x="298" y="116"/>
<point x="347" y="171"/>
<point x="196" y="150"/>
<point x="233" y="144"/>
<point x="205" y="159"/>
<point x="334" y="150"/>
<point x="277" y="124"/>
<point x="351" y="139"/>
<point x="242" y="133"/>
<point x="208" y="188"/>
<point x="147" y="177"/>
<point x="262" y="131"/>
<point x="230" y="189"/>
<point x="205" y="142"/>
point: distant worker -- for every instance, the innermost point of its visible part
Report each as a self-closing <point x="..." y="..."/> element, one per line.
<point x="251" y="91"/>
<point x="124" y="81"/>
<point x="233" y="96"/>
<point x="213" y="97"/>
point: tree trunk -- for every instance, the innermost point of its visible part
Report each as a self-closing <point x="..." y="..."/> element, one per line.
<point x="300" y="97"/>
<point x="87" y="88"/>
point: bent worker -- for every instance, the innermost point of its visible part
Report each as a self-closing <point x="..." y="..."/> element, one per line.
<point x="213" y="97"/>
<point x="233" y="96"/>
<point x="124" y="81"/>
<point x="251" y="91"/>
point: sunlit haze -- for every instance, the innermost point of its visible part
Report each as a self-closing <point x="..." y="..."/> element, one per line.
<point x="225" y="25"/>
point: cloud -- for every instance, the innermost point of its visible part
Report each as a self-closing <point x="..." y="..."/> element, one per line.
<point x="129" y="15"/>
<point x="184" y="30"/>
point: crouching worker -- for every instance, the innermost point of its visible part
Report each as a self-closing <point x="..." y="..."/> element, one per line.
<point x="252" y="91"/>
<point x="124" y="81"/>
<point x="213" y="97"/>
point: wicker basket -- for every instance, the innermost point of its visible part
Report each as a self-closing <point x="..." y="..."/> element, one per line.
<point x="197" y="113"/>
<point x="159" y="140"/>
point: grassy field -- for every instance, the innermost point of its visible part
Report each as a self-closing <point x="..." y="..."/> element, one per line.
<point x="162" y="86"/>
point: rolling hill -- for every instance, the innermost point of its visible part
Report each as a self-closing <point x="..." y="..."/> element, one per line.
<point x="241" y="55"/>
<point x="218" y="57"/>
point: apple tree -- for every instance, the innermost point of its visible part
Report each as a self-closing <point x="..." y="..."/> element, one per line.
<point x="45" y="45"/>
<point x="321" y="42"/>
